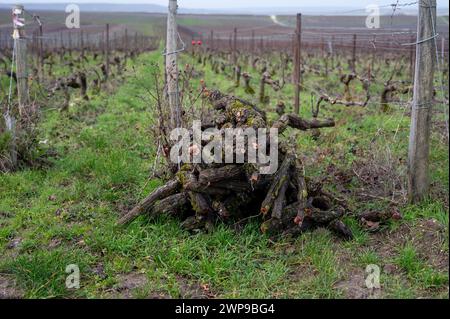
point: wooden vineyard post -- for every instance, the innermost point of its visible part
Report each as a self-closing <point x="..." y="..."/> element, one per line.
<point x="322" y="47"/>
<point x="41" y="50"/>
<point x="69" y="43"/>
<point x="252" y="47"/>
<point x="353" y="67"/>
<point x="332" y="51"/>
<point x="62" y="47"/>
<point x="211" y="40"/>
<point x="411" y="59"/>
<point x="235" y="46"/>
<point x="107" y="52"/>
<point x="234" y="58"/>
<point x="297" y="61"/>
<point x="418" y="156"/>
<point x="126" y="47"/>
<point x="82" y="47"/>
<point x="202" y="47"/>
<point x="135" y="45"/>
<point x="172" y="65"/>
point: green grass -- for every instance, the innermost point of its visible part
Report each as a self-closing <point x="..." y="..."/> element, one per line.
<point x="67" y="214"/>
<point x="418" y="270"/>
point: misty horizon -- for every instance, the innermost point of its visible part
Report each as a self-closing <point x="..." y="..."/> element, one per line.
<point x="264" y="7"/>
<point x="325" y="5"/>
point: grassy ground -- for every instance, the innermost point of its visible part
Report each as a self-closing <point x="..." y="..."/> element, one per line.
<point x="66" y="214"/>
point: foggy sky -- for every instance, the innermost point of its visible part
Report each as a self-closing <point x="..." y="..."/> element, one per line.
<point x="227" y="4"/>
